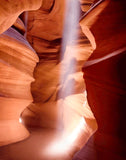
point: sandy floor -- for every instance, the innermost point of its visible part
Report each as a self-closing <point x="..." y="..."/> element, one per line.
<point x="43" y="144"/>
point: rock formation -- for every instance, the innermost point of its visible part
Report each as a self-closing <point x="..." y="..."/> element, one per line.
<point x="48" y="21"/>
<point x="17" y="62"/>
<point x="10" y="10"/>
<point x="16" y="75"/>
<point x="105" y="80"/>
<point x="50" y="109"/>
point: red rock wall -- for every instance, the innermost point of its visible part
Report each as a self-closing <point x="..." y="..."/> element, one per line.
<point x="17" y="62"/>
<point x="105" y="80"/>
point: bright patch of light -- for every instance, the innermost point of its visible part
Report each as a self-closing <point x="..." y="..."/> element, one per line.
<point x="72" y="137"/>
<point x="68" y="67"/>
<point x="20" y="120"/>
<point x="85" y="96"/>
<point x="68" y="53"/>
<point x="65" y="143"/>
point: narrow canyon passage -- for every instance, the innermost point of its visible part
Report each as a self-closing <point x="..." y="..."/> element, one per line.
<point x="62" y="80"/>
<point x="78" y="122"/>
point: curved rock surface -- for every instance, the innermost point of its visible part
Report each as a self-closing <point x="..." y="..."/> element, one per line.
<point x="16" y="75"/>
<point x="106" y="81"/>
<point x="10" y="10"/>
<point x="48" y="108"/>
<point x="17" y="61"/>
<point x="45" y="33"/>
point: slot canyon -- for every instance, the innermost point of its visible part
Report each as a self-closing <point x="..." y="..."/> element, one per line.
<point x="62" y="80"/>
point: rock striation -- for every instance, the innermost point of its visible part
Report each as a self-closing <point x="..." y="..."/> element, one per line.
<point x="105" y="80"/>
<point x="10" y="10"/>
<point x="45" y="32"/>
<point x="16" y="75"/>
<point x="48" y="105"/>
<point x="17" y="62"/>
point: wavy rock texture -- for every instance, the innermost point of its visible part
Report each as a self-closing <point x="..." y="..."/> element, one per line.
<point x="51" y="107"/>
<point x="45" y="33"/>
<point x="106" y="81"/>
<point x="16" y="75"/>
<point x="48" y="21"/>
<point x="57" y="103"/>
<point x="17" y="62"/>
<point x="10" y="10"/>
